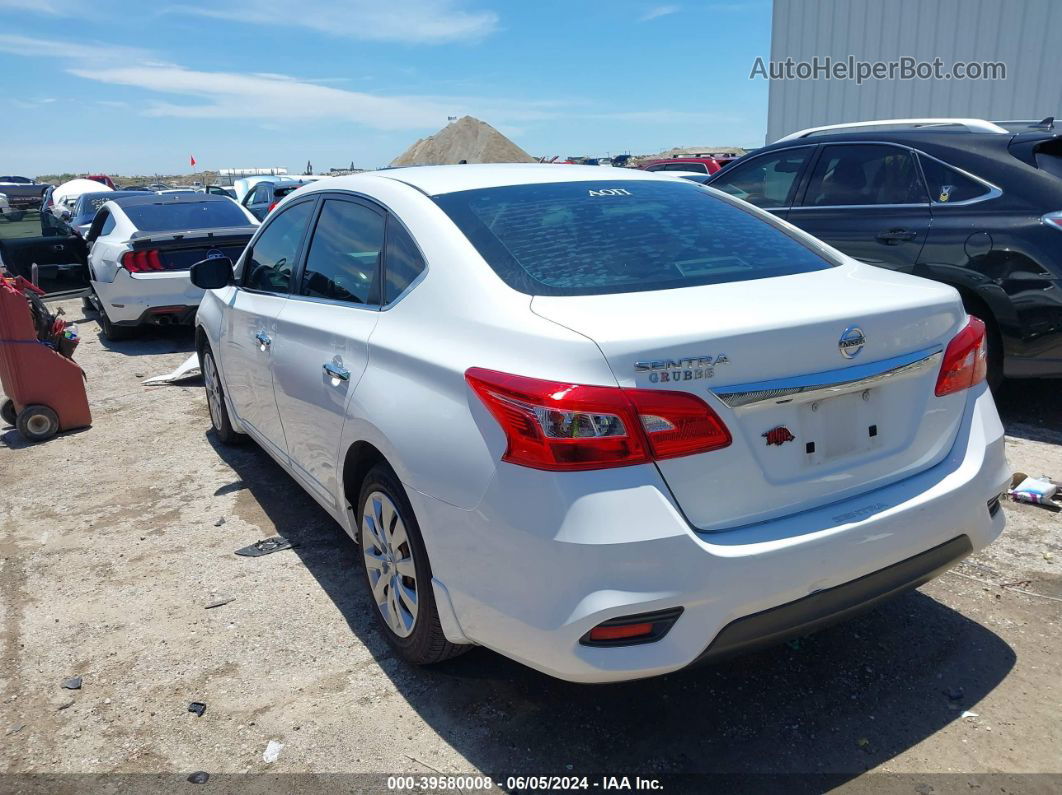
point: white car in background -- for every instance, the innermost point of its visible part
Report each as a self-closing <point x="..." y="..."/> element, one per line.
<point x="605" y="422"/>
<point x="141" y="247"/>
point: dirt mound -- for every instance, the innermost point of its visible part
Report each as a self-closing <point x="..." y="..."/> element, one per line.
<point x="466" y="139"/>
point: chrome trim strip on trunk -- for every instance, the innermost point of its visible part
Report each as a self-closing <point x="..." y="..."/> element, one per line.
<point x="829" y="383"/>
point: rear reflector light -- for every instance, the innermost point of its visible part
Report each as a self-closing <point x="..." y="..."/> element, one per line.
<point x="965" y="359"/>
<point x="564" y="427"/>
<point x="631" y="630"/>
<point x="621" y="633"/>
<point x="1053" y="219"/>
<point x="143" y="261"/>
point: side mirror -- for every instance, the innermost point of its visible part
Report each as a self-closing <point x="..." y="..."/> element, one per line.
<point x="212" y="274"/>
<point x="66" y="215"/>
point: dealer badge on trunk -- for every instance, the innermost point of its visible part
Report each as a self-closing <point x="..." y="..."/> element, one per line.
<point x="778" y="436"/>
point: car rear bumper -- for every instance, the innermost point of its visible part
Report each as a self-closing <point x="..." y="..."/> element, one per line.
<point x="545" y="558"/>
<point x="131" y="300"/>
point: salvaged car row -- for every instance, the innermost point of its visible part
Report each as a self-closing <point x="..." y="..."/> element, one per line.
<point x="709" y="419"/>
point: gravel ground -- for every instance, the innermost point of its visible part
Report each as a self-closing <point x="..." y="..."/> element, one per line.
<point x="113" y="540"/>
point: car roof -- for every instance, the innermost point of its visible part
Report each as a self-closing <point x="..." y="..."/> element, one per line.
<point x="138" y="198"/>
<point x="437" y="180"/>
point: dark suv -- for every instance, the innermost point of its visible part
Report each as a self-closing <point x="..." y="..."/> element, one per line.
<point x="977" y="205"/>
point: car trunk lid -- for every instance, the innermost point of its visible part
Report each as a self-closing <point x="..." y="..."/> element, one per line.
<point x="825" y="380"/>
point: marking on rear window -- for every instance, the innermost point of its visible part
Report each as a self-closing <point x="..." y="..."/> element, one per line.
<point x="611" y="192"/>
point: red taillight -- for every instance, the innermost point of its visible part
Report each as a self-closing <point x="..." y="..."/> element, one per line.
<point x="271" y="206"/>
<point x="142" y="261"/>
<point x="965" y="359"/>
<point x="1053" y="220"/>
<point x="606" y="633"/>
<point x="564" y="427"/>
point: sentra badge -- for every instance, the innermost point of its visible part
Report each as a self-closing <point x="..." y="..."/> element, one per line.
<point x="686" y="368"/>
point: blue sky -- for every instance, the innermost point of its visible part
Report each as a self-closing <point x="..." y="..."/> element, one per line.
<point x="130" y="87"/>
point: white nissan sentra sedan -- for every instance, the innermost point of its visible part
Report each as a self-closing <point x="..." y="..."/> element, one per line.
<point x="603" y="422"/>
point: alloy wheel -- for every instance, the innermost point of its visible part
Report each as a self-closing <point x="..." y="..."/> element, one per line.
<point x="389" y="563"/>
<point x="213" y="390"/>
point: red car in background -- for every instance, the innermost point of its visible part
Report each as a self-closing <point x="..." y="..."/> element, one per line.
<point x="703" y="165"/>
<point x="103" y="179"/>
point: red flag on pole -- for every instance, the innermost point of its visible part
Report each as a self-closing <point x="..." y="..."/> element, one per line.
<point x="192" y="158"/>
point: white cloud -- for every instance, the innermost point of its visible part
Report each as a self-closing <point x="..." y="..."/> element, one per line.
<point x="279" y="99"/>
<point x="658" y="11"/>
<point x="41" y="6"/>
<point x="414" y="21"/>
<point x="224" y="95"/>
<point x="27" y="46"/>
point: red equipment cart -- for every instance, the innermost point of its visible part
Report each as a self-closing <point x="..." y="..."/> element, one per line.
<point x="45" y="390"/>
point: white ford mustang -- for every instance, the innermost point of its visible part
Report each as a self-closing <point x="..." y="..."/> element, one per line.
<point x="604" y="422"/>
<point x="141" y="247"/>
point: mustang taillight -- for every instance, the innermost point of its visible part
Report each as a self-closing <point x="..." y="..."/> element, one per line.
<point x="965" y="359"/>
<point x="562" y="426"/>
<point x="143" y="261"/>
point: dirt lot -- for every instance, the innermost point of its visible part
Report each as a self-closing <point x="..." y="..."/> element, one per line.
<point x="113" y="540"/>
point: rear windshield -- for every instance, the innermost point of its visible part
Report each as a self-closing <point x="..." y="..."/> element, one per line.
<point x="166" y="216"/>
<point x="582" y="238"/>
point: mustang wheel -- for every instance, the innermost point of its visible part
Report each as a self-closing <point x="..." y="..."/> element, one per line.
<point x="215" y="393"/>
<point x="398" y="573"/>
<point x="112" y="332"/>
<point x="37" y="423"/>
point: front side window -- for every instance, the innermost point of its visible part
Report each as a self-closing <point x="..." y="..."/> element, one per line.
<point x="767" y="180"/>
<point x="269" y="264"/>
<point x="343" y="261"/>
<point x="865" y="174"/>
<point x="585" y="238"/>
<point x="948" y="186"/>
<point x="402" y="261"/>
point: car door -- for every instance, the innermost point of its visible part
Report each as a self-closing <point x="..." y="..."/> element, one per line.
<point x="323" y="335"/>
<point x="44" y="249"/>
<point x="769" y="181"/>
<point x="869" y="201"/>
<point x="249" y="346"/>
<point x="257" y="200"/>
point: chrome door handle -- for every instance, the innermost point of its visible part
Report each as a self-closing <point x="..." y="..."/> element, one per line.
<point x="263" y="339"/>
<point x="336" y="371"/>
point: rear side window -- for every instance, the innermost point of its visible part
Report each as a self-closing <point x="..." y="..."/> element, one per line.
<point x="174" y="216"/>
<point x="948" y="186"/>
<point x="1049" y="157"/>
<point x="343" y="261"/>
<point x="584" y="238"/>
<point x="699" y="167"/>
<point x="269" y="265"/>
<point x="767" y="180"/>
<point x="402" y="261"/>
<point x="865" y="174"/>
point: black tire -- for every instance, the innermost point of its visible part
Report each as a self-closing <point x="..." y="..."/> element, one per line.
<point x="37" y="423"/>
<point x="16" y="215"/>
<point x="112" y="332"/>
<point x="425" y="644"/>
<point x="7" y="411"/>
<point x="219" y="412"/>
